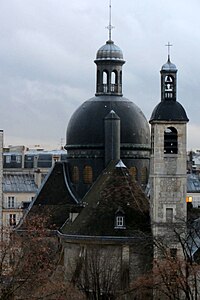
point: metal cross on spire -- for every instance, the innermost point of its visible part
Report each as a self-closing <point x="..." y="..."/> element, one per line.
<point x="110" y="27"/>
<point x="169" y="45"/>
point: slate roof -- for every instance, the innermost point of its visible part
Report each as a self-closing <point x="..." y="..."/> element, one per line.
<point x="55" y="199"/>
<point x="193" y="183"/>
<point x="113" y="189"/>
<point x="193" y="239"/>
<point x="169" y="110"/>
<point x="84" y="131"/>
<point x="169" y="66"/>
<point x="19" y="183"/>
<point x="109" y="51"/>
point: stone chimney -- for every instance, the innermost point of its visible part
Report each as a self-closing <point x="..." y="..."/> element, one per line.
<point x="112" y="137"/>
<point x="38" y="177"/>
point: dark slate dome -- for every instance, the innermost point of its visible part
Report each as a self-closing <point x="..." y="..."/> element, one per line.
<point x="169" y="66"/>
<point x="86" y="126"/>
<point x="169" y="111"/>
<point x="93" y="140"/>
<point x="109" y="51"/>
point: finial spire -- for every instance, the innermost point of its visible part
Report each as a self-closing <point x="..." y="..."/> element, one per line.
<point x="169" y="45"/>
<point x="110" y="27"/>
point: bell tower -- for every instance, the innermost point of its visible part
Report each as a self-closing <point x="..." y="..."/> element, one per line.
<point x="168" y="163"/>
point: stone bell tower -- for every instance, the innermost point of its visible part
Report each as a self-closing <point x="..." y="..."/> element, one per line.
<point x="168" y="162"/>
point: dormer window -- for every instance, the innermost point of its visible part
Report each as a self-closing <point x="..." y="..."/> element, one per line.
<point x="120" y="219"/>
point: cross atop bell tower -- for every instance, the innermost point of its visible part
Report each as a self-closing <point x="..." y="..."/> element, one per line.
<point x="168" y="46"/>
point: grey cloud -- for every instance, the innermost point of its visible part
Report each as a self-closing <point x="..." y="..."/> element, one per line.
<point x="47" y="50"/>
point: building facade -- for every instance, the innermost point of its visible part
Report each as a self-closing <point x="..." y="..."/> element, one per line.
<point x="96" y="199"/>
<point x="24" y="170"/>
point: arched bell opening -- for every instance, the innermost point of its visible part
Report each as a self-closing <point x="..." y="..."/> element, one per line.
<point x="170" y="141"/>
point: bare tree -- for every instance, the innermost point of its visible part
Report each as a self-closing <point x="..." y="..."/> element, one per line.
<point x="30" y="265"/>
<point x="97" y="273"/>
<point x="174" y="275"/>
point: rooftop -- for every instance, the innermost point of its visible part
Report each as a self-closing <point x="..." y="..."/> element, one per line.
<point x="113" y="189"/>
<point x="193" y="183"/>
<point x="13" y="183"/>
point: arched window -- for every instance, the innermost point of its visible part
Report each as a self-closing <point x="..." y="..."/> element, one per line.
<point x="170" y="141"/>
<point x="87" y="175"/>
<point x="144" y="174"/>
<point x="113" y="77"/>
<point x="105" y="81"/>
<point x="114" y="81"/>
<point x="105" y="77"/>
<point x="133" y="172"/>
<point x="75" y="174"/>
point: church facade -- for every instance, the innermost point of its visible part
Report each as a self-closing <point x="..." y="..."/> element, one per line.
<point x="97" y="200"/>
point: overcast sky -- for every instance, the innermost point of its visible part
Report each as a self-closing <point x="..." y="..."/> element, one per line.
<point x="47" y="49"/>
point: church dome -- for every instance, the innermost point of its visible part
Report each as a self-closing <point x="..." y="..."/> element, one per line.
<point x="86" y="126"/>
<point x="109" y="51"/>
<point x="93" y="139"/>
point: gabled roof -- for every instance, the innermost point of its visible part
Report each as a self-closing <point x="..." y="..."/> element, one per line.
<point x="19" y="183"/>
<point x="55" y="199"/>
<point x="113" y="189"/>
<point x="57" y="189"/>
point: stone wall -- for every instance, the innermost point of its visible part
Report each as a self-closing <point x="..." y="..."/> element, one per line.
<point x="168" y="184"/>
<point x="121" y="263"/>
